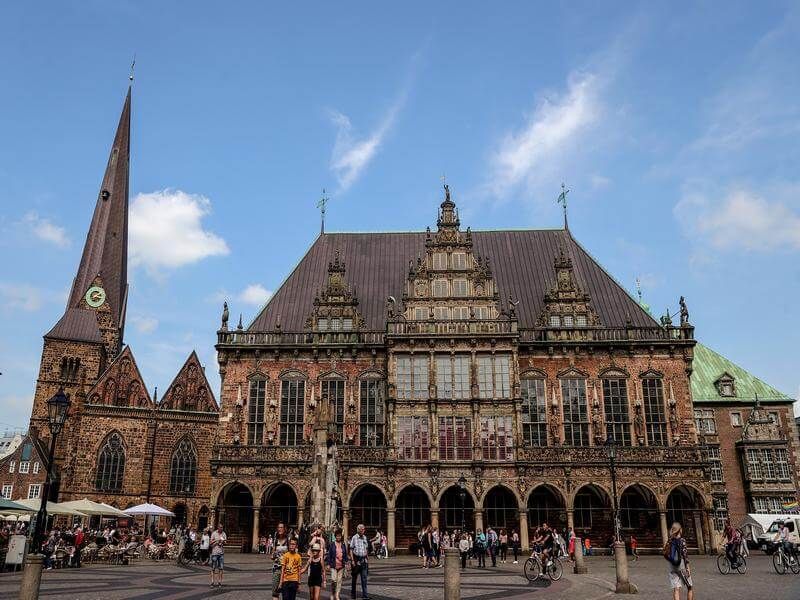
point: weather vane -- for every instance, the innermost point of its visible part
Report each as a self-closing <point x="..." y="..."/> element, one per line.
<point x="321" y="203"/>
<point x="562" y="199"/>
<point x="133" y="64"/>
<point x="639" y="289"/>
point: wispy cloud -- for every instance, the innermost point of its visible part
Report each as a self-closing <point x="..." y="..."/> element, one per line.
<point x="254" y="294"/>
<point x="740" y="219"/>
<point x="352" y="153"/>
<point x="21" y="296"/>
<point x="45" y="230"/>
<point x="166" y="230"/>
<point x="535" y="152"/>
<point x="144" y="324"/>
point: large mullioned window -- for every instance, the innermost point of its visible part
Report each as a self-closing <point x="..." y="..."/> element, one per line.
<point x="372" y="413"/>
<point x="615" y="403"/>
<point x="255" y="411"/>
<point x="452" y="376"/>
<point x="333" y="391"/>
<point x="494" y="376"/>
<point x="413" y="442"/>
<point x="455" y="438"/>
<point x="183" y="470"/>
<point x="576" y="415"/>
<point x="534" y="412"/>
<point x="293" y="393"/>
<point x="497" y="439"/>
<point x="654" y="415"/>
<point x="111" y="465"/>
<point x="411" y="378"/>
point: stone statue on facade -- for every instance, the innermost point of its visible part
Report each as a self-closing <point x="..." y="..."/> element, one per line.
<point x="225" y="316"/>
<point x="638" y="424"/>
<point x="684" y="312"/>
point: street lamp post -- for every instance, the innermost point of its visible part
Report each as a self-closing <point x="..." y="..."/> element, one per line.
<point x="611" y="451"/>
<point x="462" y="494"/>
<point x="624" y="585"/>
<point x="57" y="412"/>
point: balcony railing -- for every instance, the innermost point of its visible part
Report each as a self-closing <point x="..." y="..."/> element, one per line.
<point x="472" y="327"/>
<point x="596" y="454"/>
<point x="607" y="334"/>
<point x="298" y="338"/>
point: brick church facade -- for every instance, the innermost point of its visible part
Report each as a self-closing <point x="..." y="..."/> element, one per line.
<point x="500" y="359"/>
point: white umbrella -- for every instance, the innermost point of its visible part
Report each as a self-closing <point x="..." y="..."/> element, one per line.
<point x="53" y="508"/>
<point x="88" y="507"/>
<point x="148" y="509"/>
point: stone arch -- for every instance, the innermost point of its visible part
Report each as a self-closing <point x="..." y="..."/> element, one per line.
<point x="546" y="503"/>
<point x="419" y="485"/>
<point x="368" y="505"/>
<point x="592" y="513"/>
<point x="501" y="506"/>
<point x="685" y="504"/>
<point x="278" y="503"/>
<point x="217" y="494"/>
<point x="413" y="504"/>
<point x="235" y="511"/>
<point x="639" y="514"/>
<point x="705" y="502"/>
<point x="511" y="490"/>
<point x="355" y="489"/>
<point x="452" y="514"/>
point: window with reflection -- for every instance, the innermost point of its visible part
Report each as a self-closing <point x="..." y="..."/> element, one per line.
<point x="111" y="465"/>
<point x="460" y="313"/>
<point x="452" y="376"/>
<point x="455" y="438"/>
<point x="576" y="415"/>
<point x="413" y="442"/>
<point x="460" y="288"/>
<point x="440" y="288"/>
<point x="440" y="261"/>
<point x="497" y="438"/>
<point x="459" y="260"/>
<point x="183" y="468"/>
<point x="372" y="413"/>
<point x="293" y="393"/>
<point x="534" y="412"/>
<point x="441" y="313"/>
<point x="255" y="411"/>
<point x="494" y="376"/>
<point x="411" y="377"/>
<point x="615" y="403"/>
<point x="654" y="414"/>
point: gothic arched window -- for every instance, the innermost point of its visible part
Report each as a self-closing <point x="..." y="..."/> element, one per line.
<point x="183" y="469"/>
<point x="111" y="465"/>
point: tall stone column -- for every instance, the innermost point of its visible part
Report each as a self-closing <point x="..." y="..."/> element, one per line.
<point x="300" y="516"/>
<point x="256" y="518"/>
<point x="345" y="520"/>
<point x="390" y="528"/>
<point x="434" y="517"/>
<point x="698" y="527"/>
<point x="523" y="530"/>
<point x="662" y="516"/>
<point x="570" y="520"/>
<point x="712" y="538"/>
<point x="478" y="519"/>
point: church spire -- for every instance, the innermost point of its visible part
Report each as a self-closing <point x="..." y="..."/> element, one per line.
<point x="104" y="262"/>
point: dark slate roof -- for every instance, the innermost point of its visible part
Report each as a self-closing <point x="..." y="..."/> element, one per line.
<point x="105" y="252"/>
<point x="77" y="324"/>
<point x="377" y="267"/>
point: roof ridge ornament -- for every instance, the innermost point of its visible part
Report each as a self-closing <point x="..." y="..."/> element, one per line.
<point x="562" y="199"/>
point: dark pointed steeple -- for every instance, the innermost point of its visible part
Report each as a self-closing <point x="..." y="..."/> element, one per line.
<point x="104" y="262"/>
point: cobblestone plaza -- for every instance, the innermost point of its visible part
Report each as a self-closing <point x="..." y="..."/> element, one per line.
<point x="246" y="576"/>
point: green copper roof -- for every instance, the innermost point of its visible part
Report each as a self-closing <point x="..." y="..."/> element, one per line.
<point x="708" y="367"/>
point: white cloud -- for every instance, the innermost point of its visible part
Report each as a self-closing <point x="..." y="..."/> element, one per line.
<point x="166" y="230"/>
<point x="20" y="296"/>
<point x="144" y="324"/>
<point x="739" y="219"/>
<point x="46" y="230"/>
<point x="255" y="294"/>
<point x="537" y="151"/>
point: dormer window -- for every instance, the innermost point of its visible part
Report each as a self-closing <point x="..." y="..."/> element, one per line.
<point x="580" y="321"/>
<point x="568" y="321"/>
<point x="460" y="312"/>
<point x="322" y="324"/>
<point x="441" y="313"/>
<point x="726" y="386"/>
<point x="459" y="260"/>
<point x="481" y="312"/>
<point x="347" y="324"/>
<point x="460" y="287"/>
<point x="336" y="324"/>
<point x="420" y="314"/>
<point x="440" y="288"/>
<point x="555" y="321"/>
<point x="439" y="261"/>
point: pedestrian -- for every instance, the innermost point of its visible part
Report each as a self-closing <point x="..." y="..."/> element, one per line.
<point x="463" y="548"/>
<point x="491" y="545"/>
<point x="571" y="544"/>
<point x="427" y="547"/>
<point x="359" y="561"/>
<point x="281" y="547"/>
<point x="78" y="540"/>
<point x="679" y="573"/>
<point x="217" y="540"/>
<point x="316" y="572"/>
<point x="634" y="548"/>
<point x="515" y="545"/>
<point x="337" y="561"/>
<point x="480" y="548"/>
<point x="587" y="546"/>
<point x="291" y="561"/>
<point x="502" y="539"/>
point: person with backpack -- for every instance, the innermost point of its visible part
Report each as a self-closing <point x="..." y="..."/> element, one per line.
<point x="480" y="548"/>
<point x="679" y="572"/>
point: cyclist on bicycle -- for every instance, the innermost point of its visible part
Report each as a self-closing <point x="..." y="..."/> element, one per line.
<point x="733" y="540"/>
<point x="547" y="542"/>
<point x="783" y="537"/>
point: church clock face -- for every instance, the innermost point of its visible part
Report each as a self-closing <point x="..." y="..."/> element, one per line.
<point x="95" y="296"/>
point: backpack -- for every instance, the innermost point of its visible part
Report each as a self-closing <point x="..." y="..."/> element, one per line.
<point x="671" y="553"/>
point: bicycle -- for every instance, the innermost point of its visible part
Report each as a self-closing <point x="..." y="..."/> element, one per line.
<point x="781" y="560"/>
<point x="725" y="567"/>
<point x="190" y="555"/>
<point x="533" y="567"/>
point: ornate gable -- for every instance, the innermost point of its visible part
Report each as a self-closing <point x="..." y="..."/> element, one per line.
<point x="190" y="390"/>
<point x="451" y="282"/>
<point x="121" y="384"/>
<point x="760" y="426"/>
<point x="566" y="305"/>
<point x="335" y="306"/>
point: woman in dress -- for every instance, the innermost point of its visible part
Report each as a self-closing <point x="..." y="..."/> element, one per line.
<point x="316" y="572"/>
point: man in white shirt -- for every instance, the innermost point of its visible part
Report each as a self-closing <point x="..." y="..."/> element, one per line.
<point x="218" y="539"/>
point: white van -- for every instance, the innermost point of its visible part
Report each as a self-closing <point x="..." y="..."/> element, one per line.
<point x="766" y="541"/>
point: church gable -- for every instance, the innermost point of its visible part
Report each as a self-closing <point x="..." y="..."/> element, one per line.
<point x="189" y="390"/>
<point x="121" y="384"/>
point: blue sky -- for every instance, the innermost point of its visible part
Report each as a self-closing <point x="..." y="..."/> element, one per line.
<point x="675" y="126"/>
